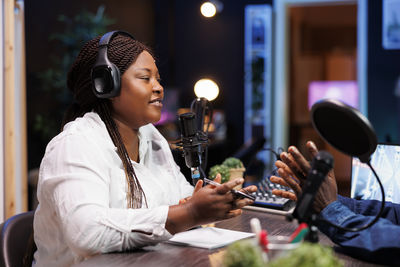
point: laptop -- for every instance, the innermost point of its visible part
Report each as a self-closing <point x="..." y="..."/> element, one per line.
<point x="386" y="162"/>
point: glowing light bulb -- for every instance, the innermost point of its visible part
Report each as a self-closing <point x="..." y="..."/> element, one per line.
<point x="206" y="88"/>
<point x="208" y="9"/>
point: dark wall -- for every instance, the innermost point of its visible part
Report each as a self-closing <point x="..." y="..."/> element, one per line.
<point x="41" y="21"/>
<point x="383" y="71"/>
<point x="187" y="46"/>
<point x="136" y="16"/>
<point x="206" y="47"/>
<point x="190" y="47"/>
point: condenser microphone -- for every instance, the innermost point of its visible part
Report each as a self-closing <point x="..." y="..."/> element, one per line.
<point x="190" y="145"/>
<point x="321" y="164"/>
<point x="194" y="143"/>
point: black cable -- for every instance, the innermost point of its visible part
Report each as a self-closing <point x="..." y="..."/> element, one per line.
<point x="371" y="222"/>
<point x="277" y="154"/>
<point x="202" y="172"/>
<point x="192" y="104"/>
<point x="205" y="158"/>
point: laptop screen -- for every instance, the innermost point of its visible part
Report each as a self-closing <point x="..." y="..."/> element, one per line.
<point x="386" y="162"/>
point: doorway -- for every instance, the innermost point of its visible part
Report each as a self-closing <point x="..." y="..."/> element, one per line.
<point x="322" y="48"/>
<point x="315" y="41"/>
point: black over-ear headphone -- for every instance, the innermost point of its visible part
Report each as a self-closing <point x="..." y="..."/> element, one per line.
<point x="106" y="77"/>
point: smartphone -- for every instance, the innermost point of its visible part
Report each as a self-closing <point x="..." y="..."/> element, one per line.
<point x="237" y="193"/>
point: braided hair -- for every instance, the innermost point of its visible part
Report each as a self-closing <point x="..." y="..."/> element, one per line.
<point x="122" y="51"/>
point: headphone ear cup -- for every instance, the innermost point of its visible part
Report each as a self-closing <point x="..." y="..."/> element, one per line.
<point x="116" y="75"/>
<point x="106" y="81"/>
<point x="106" y="76"/>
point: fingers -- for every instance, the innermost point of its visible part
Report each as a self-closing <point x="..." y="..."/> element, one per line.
<point x="233" y="213"/>
<point x="218" y="178"/>
<point x="312" y="148"/>
<point x="291" y="163"/>
<point x="240" y="203"/>
<point x="282" y="193"/>
<point x="249" y="189"/>
<point x="198" y="186"/>
<point x="278" y="180"/>
<point x="291" y="182"/>
<point x="301" y="165"/>
<point x="285" y="194"/>
<point x="289" y="171"/>
<point x="226" y="187"/>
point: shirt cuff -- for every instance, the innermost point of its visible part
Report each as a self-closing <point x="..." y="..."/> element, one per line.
<point x="336" y="213"/>
<point x="156" y="225"/>
<point x="139" y="227"/>
<point x="348" y="202"/>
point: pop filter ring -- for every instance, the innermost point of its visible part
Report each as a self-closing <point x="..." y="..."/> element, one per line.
<point x="342" y="111"/>
<point x="330" y="116"/>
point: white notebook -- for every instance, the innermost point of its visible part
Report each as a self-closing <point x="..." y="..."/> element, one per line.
<point x="208" y="237"/>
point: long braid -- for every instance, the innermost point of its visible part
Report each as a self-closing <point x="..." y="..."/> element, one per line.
<point x="122" y="51"/>
<point x="135" y="192"/>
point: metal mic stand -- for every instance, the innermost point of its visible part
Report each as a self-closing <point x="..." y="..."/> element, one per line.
<point x="321" y="164"/>
<point x="312" y="235"/>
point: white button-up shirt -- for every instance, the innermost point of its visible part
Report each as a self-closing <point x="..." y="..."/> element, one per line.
<point x="82" y="194"/>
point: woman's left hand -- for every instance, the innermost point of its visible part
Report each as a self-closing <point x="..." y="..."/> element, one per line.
<point x="239" y="203"/>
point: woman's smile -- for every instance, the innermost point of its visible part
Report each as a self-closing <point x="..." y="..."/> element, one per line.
<point x="156" y="102"/>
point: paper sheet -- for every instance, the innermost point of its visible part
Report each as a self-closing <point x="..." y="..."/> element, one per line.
<point x="208" y="237"/>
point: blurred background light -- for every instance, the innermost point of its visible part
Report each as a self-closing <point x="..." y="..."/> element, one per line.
<point x="209" y="8"/>
<point x="206" y="88"/>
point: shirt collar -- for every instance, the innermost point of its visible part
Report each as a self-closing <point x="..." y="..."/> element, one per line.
<point x="144" y="143"/>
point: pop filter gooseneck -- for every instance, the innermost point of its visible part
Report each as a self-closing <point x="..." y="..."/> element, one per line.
<point x="350" y="132"/>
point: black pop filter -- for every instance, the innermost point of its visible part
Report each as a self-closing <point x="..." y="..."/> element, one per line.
<point x="350" y="132"/>
<point x="345" y="128"/>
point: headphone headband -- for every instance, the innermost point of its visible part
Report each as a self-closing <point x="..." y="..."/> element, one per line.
<point x="106" y="77"/>
<point x="106" y="38"/>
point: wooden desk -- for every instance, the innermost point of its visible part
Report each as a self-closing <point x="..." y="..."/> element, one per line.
<point x="170" y="255"/>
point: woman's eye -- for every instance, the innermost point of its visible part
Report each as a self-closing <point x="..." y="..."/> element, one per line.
<point x="145" y="78"/>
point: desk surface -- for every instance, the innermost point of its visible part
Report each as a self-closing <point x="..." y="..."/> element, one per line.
<point x="169" y="255"/>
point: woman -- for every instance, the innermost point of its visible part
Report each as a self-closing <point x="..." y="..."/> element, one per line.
<point x="108" y="181"/>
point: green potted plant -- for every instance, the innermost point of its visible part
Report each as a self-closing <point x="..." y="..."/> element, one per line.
<point x="236" y="168"/>
<point x="221" y="169"/>
<point x="231" y="168"/>
<point x="243" y="253"/>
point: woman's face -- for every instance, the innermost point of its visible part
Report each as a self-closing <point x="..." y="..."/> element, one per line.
<point x="141" y="97"/>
